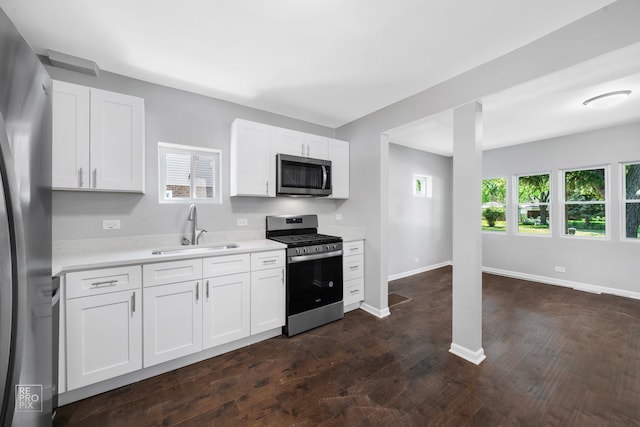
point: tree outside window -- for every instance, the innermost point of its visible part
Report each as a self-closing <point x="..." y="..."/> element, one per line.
<point x="534" y="211"/>
<point x="494" y="199"/>
<point x="585" y="202"/>
<point x="632" y="200"/>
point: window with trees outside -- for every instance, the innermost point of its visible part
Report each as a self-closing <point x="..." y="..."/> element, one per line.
<point x="632" y="200"/>
<point x="188" y="174"/>
<point x="494" y="199"/>
<point x="534" y="209"/>
<point x="585" y="202"/>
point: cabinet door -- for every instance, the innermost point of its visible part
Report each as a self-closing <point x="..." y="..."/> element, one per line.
<point x="267" y="300"/>
<point x="70" y="138"/>
<point x="339" y="156"/>
<point x="117" y="141"/>
<point x="172" y="321"/>
<point x="252" y="160"/>
<point x="290" y="142"/>
<point x="316" y="146"/>
<point x="104" y="337"/>
<point x="226" y="310"/>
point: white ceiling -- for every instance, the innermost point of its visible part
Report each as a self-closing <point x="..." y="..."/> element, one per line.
<point x="543" y="108"/>
<point x="325" y="61"/>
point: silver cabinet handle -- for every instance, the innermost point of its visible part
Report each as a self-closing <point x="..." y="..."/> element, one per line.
<point x="282" y="271"/>
<point x="353" y="267"/>
<point x="307" y="150"/>
<point x="80" y="178"/>
<point x="133" y="303"/>
<point x="207" y="289"/>
<point x="95" y="178"/>
<point x="355" y="291"/>
<point x="269" y="261"/>
<point x="105" y="282"/>
<point x="267" y="193"/>
<point x="197" y="291"/>
<point x="302" y="149"/>
<point x="354" y="249"/>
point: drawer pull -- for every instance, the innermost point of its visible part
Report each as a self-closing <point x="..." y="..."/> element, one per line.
<point x="197" y="291"/>
<point x="354" y="249"/>
<point x="269" y="261"/>
<point x="207" y="289"/>
<point x="133" y="303"/>
<point x="355" y="291"/>
<point x="105" y="283"/>
<point x="354" y="267"/>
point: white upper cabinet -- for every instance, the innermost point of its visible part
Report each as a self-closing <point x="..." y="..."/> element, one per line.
<point x="70" y="136"/>
<point x="254" y="147"/>
<point x="339" y="156"/>
<point x="301" y="144"/>
<point x="253" y="161"/>
<point x="98" y="139"/>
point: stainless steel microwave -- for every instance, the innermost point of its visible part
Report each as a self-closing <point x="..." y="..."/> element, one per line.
<point x="302" y="176"/>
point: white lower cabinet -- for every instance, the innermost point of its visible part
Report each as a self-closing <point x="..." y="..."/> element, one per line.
<point x="353" y="273"/>
<point x="172" y="321"/>
<point x="121" y="319"/>
<point x="226" y="309"/>
<point x="267" y="291"/>
<point x="104" y="337"/>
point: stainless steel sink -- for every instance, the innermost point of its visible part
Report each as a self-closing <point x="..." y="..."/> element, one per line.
<point x="195" y="250"/>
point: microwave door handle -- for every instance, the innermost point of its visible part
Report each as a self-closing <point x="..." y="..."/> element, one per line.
<point x="324" y="177"/>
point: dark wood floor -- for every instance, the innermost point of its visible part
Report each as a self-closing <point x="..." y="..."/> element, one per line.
<point x="555" y="357"/>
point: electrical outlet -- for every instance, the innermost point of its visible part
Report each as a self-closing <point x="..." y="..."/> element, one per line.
<point x="111" y="224"/>
<point x="241" y="222"/>
<point x="560" y="269"/>
<point x="338" y="217"/>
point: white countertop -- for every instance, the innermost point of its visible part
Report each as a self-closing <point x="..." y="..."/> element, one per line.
<point x="84" y="254"/>
<point x="64" y="262"/>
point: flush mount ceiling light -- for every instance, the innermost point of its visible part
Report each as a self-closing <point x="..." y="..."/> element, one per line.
<point x="607" y="99"/>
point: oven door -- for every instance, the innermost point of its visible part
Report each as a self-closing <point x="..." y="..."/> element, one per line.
<point x="313" y="281"/>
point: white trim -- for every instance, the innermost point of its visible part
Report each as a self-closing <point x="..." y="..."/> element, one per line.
<point x="374" y="311"/>
<point x="578" y="286"/>
<point x="475" y="357"/>
<point x="419" y="270"/>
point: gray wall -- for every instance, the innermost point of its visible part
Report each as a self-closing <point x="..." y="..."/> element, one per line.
<point x="420" y="226"/>
<point x="608" y="29"/>
<point x="183" y="118"/>
<point x="610" y="263"/>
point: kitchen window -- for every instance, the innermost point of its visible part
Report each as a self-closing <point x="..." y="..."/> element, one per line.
<point x="631" y="198"/>
<point x="188" y="174"/>
<point x="585" y="202"/>
<point x="534" y="207"/>
<point x="494" y="200"/>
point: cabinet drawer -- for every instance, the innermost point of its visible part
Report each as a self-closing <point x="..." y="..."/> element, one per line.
<point x="353" y="248"/>
<point x="264" y="260"/>
<point x="353" y="291"/>
<point x="163" y="273"/>
<point x="224" y="265"/>
<point x="103" y="281"/>
<point x="352" y="267"/>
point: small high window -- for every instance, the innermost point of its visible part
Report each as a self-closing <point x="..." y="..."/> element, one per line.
<point x="534" y="208"/>
<point x="494" y="200"/>
<point x="631" y="207"/>
<point x="188" y="174"/>
<point x="585" y="197"/>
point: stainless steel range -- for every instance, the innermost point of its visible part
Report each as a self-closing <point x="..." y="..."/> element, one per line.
<point x="314" y="272"/>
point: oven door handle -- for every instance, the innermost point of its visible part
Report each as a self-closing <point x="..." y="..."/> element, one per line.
<point x="312" y="257"/>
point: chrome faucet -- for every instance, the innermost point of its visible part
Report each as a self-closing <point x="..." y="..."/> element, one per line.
<point x="195" y="231"/>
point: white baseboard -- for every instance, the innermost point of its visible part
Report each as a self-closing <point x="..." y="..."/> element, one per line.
<point x="578" y="286"/>
<point x="419" y="270"/>
<point x="374" y="311"/>
<point x="475" y="357"/>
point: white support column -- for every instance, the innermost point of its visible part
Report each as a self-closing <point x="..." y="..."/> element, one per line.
<point x="467" y="233"/>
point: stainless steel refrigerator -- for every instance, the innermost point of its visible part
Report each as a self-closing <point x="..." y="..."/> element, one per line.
<point x="25" y="233"/>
